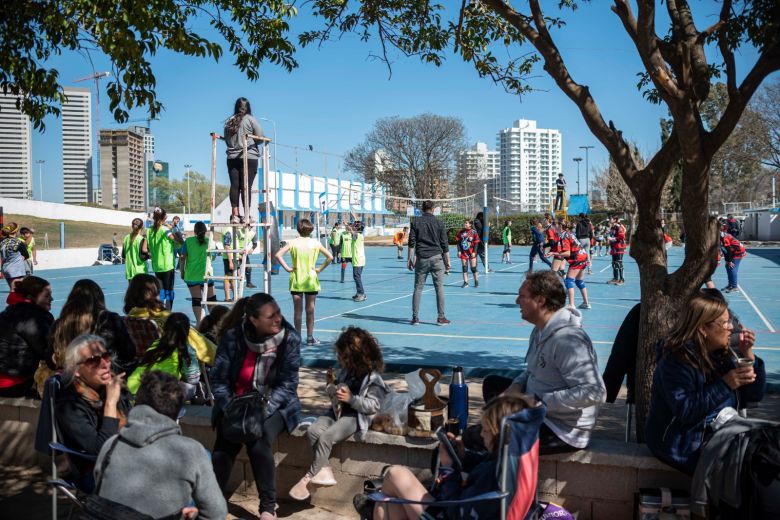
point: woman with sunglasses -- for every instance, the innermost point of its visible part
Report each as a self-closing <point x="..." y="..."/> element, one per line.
<point x="92" y="404"/>
<point x="24" y="332"/>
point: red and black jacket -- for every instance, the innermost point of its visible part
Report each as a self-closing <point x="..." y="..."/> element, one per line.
<point x="618" y="242"/>
<point x="731" y="247"/>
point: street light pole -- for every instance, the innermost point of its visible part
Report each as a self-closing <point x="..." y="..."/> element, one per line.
<point x="587" y="182"/>
<point x="189" y="208"/>
<point x="40" y="163"/>
<point x="578" y="160"/>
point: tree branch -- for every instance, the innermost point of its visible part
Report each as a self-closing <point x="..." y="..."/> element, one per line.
<point x="556" y="68"/>
<point x="725" y="50"/>
<point x="767" y="63"/>
<point x="650" y="53"/>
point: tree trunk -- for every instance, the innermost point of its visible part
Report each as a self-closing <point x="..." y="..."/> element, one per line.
<point x="664" y="294"/>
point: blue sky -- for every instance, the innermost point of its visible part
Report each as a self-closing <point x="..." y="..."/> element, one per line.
<point x="333" y="98"/>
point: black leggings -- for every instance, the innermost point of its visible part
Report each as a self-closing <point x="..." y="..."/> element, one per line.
<point x="261" y="458"/>
<point x="236" y="173"/>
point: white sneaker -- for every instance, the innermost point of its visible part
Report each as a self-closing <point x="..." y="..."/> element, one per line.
<point x="324" y="477"/>
<point x="300" y="490"/>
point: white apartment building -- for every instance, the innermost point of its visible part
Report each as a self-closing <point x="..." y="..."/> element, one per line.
<point x="15" y="150"/>
<point x="530" y="163"/>
<point x="77" y="181"/>
<point x="476" y="166"/>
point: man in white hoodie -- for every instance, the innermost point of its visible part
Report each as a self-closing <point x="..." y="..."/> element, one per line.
<point x="562" y="369"/>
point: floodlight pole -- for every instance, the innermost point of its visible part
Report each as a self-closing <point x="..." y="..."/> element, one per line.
<point x="578" y="160"/>
<point x="40" y="163"/>
<point x="485" y="227"/>
<point x="587" y="187"/>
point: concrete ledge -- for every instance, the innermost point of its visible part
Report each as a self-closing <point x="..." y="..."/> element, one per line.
<point x="599" y="482"/>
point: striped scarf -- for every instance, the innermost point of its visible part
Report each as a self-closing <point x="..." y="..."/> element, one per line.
<point x="266" y="354"/>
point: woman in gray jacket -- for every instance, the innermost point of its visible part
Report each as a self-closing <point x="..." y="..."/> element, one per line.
<point x="357" y="393"/>
<point x="241" y="123"/>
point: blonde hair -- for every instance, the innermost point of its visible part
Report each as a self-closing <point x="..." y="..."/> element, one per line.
<point x="495" y="410"/>
<point x="703" y="308"/>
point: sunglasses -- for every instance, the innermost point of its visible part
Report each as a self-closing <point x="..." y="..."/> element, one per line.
<point x="93" y="361"/>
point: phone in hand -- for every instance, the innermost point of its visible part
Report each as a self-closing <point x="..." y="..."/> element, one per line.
<point x="441" y="434"/>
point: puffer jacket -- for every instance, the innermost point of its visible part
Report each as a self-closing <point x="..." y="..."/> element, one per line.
<point x="284" y="387"/>
<point x="24" y="333"/>
<point x="681" y="400"/>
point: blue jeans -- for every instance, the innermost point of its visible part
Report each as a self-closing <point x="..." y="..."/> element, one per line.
<point x="536" y="249"/>
<point x="422" y="267"/>
<point x="732" y="272"/>
<point x="357" y="275"/>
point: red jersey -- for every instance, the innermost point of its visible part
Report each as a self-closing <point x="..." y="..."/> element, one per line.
<point x="732" y="248"/>
<point x="577" y="258"/>
<point x="617" y="240"/>
<point x="467" y="240"/>
<point x="552" y="237"/>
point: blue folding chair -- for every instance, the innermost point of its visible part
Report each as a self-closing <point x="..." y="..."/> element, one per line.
<point x="517" y="471"/>
<point x="47" y="442"/>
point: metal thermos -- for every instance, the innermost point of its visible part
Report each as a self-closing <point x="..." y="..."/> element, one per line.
<point x="459" y="398"/>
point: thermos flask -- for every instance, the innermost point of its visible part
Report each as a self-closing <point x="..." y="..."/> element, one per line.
<point x="459" y="398"/>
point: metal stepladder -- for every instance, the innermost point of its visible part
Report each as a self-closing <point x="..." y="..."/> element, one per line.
<point x="561" y="213"/>
<point x="238" y="251"/>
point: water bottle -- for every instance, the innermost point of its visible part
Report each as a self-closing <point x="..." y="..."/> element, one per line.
<point x="459" y="398"/>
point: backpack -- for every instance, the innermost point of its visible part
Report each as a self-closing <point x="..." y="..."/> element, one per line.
<point x="583" y="229"/>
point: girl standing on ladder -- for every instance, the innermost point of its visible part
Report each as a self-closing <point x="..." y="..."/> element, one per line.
<point x="304" y="280"/>
<point x="238" y="125"/>
<point x="162" y="239"/>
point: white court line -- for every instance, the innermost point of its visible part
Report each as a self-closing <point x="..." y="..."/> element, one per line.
<point x="608" y="266"/>
<point x="77" y="276"/>
<point x="491" y="338"/>
<point x="766" y="322"/>
<point x="453" y="283"/>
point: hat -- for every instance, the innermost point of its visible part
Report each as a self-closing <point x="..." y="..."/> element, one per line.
<point x="10" y="228"/>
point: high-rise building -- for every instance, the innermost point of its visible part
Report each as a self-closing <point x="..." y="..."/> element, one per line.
<point x="146" y="132"/>
<point x="530" y="163"/>
<point x="122" y="169"/>
<point x="77" y="180"/>
<point x="15" y="150"/>
<point x="476" y="166"/>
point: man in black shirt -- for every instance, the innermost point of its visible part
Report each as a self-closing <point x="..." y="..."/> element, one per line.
<point x="428" y="253"/>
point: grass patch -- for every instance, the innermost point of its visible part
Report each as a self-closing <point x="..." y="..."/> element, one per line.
<point x="78" y="233"/>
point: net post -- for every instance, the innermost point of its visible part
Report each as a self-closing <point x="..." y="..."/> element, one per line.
<point x="485" y="227"/>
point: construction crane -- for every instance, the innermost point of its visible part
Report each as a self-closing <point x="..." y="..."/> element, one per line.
<point x="96" y="152"/>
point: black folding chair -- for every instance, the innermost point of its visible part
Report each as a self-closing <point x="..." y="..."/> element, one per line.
<point x="47" y="441"/>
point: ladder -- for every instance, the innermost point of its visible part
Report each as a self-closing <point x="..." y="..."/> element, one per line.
<point x="248" y="229"/>
<point x="561" y="213"/>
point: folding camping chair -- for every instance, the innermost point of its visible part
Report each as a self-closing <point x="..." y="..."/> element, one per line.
<point x="47" y="442"/>
<point x="517" y="471"/>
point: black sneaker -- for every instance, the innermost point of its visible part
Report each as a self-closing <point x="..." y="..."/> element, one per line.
<point x="465" y="284"/>
<point x="250" y="285"/>
<point x="476" y="283"/>
<point x="415" y="321"/>
<point x="364" y="506"/>
<point x="360" y="298"/>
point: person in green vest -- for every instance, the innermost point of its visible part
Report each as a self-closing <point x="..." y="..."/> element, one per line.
<point x="304" y="280"/>
<point x="193" y="264"/>
<point x="32" y="252"/>
<point x="335" y="241"/>
<point x="346" y="249"/>
<point x="162" y="238"/>
<point x="171" y="354"/>
<point x="358" y="260"/>
<point x="135" y="250"/>
<point x="506" y="238"/>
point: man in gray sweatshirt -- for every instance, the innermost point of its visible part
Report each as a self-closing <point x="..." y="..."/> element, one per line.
<point x="562" y="369"/>
<point x="151" y="466"/>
